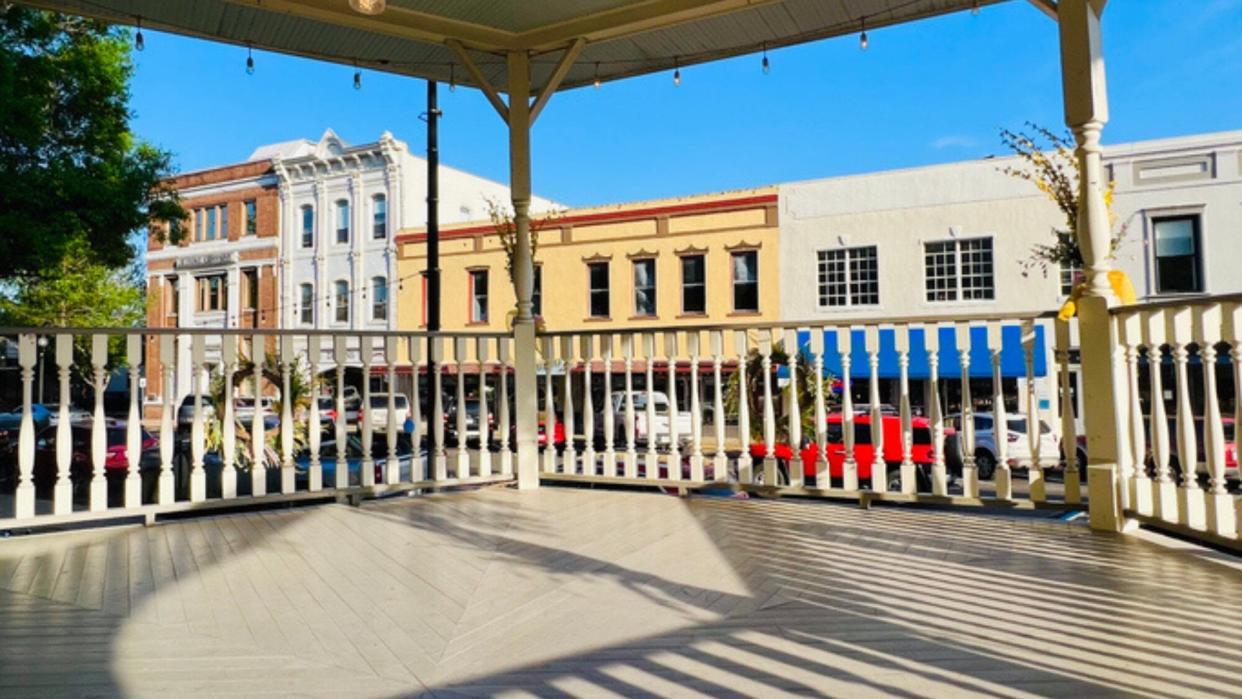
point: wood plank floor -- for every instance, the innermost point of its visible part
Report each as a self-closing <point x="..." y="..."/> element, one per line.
<point x="568" y="592"/>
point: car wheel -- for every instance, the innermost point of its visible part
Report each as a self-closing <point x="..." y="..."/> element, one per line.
<point x="985" y="464"/>
<point x="894" y="480"/>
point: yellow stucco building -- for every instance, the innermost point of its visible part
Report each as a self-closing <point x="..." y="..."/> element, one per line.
<point x="709" y="259"/>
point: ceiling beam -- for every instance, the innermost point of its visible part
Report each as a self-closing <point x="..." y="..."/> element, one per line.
<point x="479" y="79"/>
<point x="554" y="81"/>
<point x="1048" y="7"/>
<point x="629" y="19"/>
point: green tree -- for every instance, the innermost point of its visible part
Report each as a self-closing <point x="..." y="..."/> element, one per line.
<point x="72" y="169"/>
<point x="75" y="291"/>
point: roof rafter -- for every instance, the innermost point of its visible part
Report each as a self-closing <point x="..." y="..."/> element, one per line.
<point x="554" y="82"/>
<point x="629" y="19"/>
<point x="480" y="80"/>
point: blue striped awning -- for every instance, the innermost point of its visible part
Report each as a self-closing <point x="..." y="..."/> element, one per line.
<point x="1013" y="356"/>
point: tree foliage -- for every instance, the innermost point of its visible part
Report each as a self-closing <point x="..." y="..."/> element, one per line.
<point x="72" y="169"/>
<point x="1048" y="162"/>
<point x="804" y="385"/>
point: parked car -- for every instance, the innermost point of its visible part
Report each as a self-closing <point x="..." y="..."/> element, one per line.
<point x="379" y="410"/>
<point x="243" y="408"/>
<point x="1017" y="444"/>
<point x="922" y="451"/>
<point x="660" y="430"/>
<point x="185" y="413"/>
<point x="353" y="458"/>
<point x="1201" y="466"/>
<point x="76" y="414"/>
<point x="11" y="422"/>
<point x="81" y="464"/>
<point x="473" y="415"/>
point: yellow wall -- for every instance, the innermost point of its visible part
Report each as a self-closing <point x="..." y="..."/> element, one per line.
<point x="715" y="223"/>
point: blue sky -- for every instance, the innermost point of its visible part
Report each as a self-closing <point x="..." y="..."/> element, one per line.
<point x="928" y="92"/>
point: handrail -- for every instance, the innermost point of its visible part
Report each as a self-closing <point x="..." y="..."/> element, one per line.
<point x="820" y="322"/>
<point x="1176" y="302"/>
<point x="247" y="332"/>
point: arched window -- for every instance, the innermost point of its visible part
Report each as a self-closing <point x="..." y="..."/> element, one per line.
<point x="308" y="226"/>
<point x="379" y="216"/>
<point x="342" y="221"/>
<point x="342" y="301"/>
<point x="379" y="298"/>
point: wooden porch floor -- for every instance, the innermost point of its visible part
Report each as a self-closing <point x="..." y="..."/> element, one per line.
<point x="569" y="592"/>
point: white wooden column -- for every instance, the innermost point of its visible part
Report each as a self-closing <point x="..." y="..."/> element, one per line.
<point x="392" y="466"/>
<point x="766" y="340"/>
<point x="1071" y="477"/>
<point x="671" y="351"/>
<point x="940" y="474"/>
<point x="314" y="425"/>
<point x="439" y="469"/>
<point x="99" y="427"/>
<point x="696" y="408"/>
<point x="167" y="482"/>
<point x="970" y="474"/>
<point x="1219" y="510"/>
<point x="631" y="451"/>
<point x="340" y="353"/>
<point x="519" y="118"/>
<point x="794" y="411"/>
<point x="198" y="372"/>
<point x="745" y="463"/>
<point x="258" y="430"/>
<point x="609" y="422"/>
<point x="587" y="348"/>
<point x="1034" y="425"/>
<point x="1138" y="486"/>
<point x="1086" y="112"/>
<point x="720" y="462"/>
<point x="228" y="420"/>
<point x="62" y="492"/>
<point x="879" y="469"/>
<point x="24" y="499"/>
<point x="1164" y="489"/>
<point x="506" y="453"/>
<point x="822" y="476"/>
<point x="133" y="426"/>
<point x="845" y="347"/>
<point x="1003" y="476"/>
<point x="287" y="483"/>
<point x="463" y="453"/>
<point x="569" y="460"/>
<point x="652" y="456"/>
<point x="1190" y="503"/>
<point x="1233" y="335"/>
<point x="483" y="462"/>
<point x="549" y="406"/>
<point x="909" y="476"/>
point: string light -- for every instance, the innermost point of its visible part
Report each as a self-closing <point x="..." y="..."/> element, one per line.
<point x="357" y="77"/>
<point x="597" y="83"/>
<point x="767" y="67"/>
<point x="452" y="77"/>
<point x="139" y="42"/>
<point x="249" y="60"/>
<point x="974" y="10"/>
<point x="862" y="38"/>
<point x="676" y="72"/>
<point x="367" y="7"/>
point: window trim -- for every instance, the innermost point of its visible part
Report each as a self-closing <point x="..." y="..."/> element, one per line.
<point x="957" y="270"/>
<point x="1157" y="215"/>
<point x="682" y="257"/>
<point x="375" y="301"/>
<point x="734" y="252"/>
<point x="849" y="280"/>
<point x="606" y="264"/>
<point x="304" y="307"/>
<point x="250" y="216"/>
<point x="472" y="274"/>
<point x="379" y="231"/>
<point x="308" y="234"/>
<point x="336" y="301"/>
<point x="338" y="206"/>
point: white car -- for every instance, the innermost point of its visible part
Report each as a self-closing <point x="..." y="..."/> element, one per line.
<point x="660" y="429"/>
<point x="1018" y="449"/>
<point x="379" y="410"/>
<point x="243" y="408"/>
<point x="76" y="414"/>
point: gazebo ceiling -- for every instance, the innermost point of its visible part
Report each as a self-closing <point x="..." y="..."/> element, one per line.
<point x="411" y="37"/>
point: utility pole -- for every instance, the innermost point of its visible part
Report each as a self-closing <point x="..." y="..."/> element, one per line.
<point x="433" y="243"/>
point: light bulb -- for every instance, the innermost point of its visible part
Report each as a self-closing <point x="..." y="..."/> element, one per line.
<point x="139" y="42"/>
<point x="367" y="7"/>
<point x="677" y="77"/>
<point x="767" y="67"/>
<point x="249" y="65"/>
<point x="862" y="40"/>
<point x="597" y="83"/>
<point x="357" y="80"/>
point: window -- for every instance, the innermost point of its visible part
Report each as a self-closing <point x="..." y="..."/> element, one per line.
<point x="597" y="294"/>
<point x="174" y="296"/>
<point x="379" y="216"/>
<point x="959" y="269"/>
<point x="211" y="223"/>
<point x="308" y="226"/>
<point x="379" y="298"/>
<point x="693" y="284"/>
<point x="212" y="293"/>
<point x="252" y="221"/>
<point x="250" y="289"/>
<point x="746" y="281"/>
<point x="1177" y="254"/>
<point x="644" y="287"/>
<point x="1071" y="274"/>
<point x="307" y="307"/>
<point x="342" y="301"/>
<point x="536" y="295"/>
<point x="342" y="221"/>
<point x="224" y="222"/>
<point x="478" y="296"/>
<point x="849" y="277"/>
<point x="199" y="233"/>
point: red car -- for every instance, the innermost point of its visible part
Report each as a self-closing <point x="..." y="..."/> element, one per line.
<point x="922" y="450"/>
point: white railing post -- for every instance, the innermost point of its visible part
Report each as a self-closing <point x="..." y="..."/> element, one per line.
<point x="258" y="429"/>
<point x="1071" y="477"/>
<point x="366" y="426"/>
<point x="569" y="460"/>
<point x="228" y="428"/>
<point x="631" y="452"/>
<point x="99" y="428"/>
<point x="935" y="414"/>
<point x="609" y="423"/>
<point x="879" y="468"/>
<point x="652" y="456"/>
<point x="970" y="475"/>
<point x="1138" y="489"/>
<point x="506" y="454"/>
<point x="720" y="461"/>
<point x="549" y="406"/>
<point x="440" y="455"/>
<point x="1164" y="489"/>
<point x="198" y="371"/>
<point x="671" y="350"/>
<point x="587" y="347"/>
<point x="62" y="494"/>
<point x="340" y="354"/>
<point x="1189" y="495"/>
<point x="462" y="455"/>
<point x="24" y="498"/>
<point x="769" y="418"/>
<point x="484" y="461"/>
<point x="909" y="477"/>
<point x="286" y="414"/>
<point x="419" y="467"/>
<point x="745" y="464"/>
<point x="167" y="483"/>
<point x="1219" y="507"/>
<point x="822" y="476"/>
<point x="1003" y="477"/>
<point x="796" y="479"/>
<point x="1233" y="335"/>
<point x="133" y="426"/>
<point x="845" y="347"/>
<point x="1034" y="425"/>
<point x="392" y="469"/>
<point x="314" y="424"/>
<point x="696" y="408"/>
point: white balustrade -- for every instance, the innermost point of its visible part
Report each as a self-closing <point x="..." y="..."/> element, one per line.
<point x="970" y="475"/>
<point x="746" y="463"/>
<point x="793" y="409"/>
<point x="879" y="469"/>
<point x="228" y="438"/>
<point x="901" y="343"/>
<point x="696" y="409"/>
<point x="587" y="350"/>
<point x="674" y="408"/>
<point x="652" y="459"/>
<point x="1002" y="476"/>
<point x="99" y="427"/>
